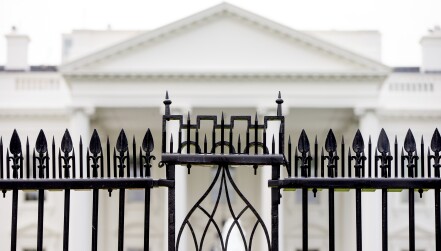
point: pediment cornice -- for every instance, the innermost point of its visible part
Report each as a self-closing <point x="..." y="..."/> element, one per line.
<point x="217" y="11"/>
<point x="226" y="75"/>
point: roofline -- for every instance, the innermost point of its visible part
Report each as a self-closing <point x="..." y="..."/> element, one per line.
<point x="222" y="9"/>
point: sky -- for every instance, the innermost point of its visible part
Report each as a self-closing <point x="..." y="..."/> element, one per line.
<point x="402" y="23"/>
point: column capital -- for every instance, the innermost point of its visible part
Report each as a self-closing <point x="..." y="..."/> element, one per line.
<point x="361" y="111"/>
<point x="86" y="110"/>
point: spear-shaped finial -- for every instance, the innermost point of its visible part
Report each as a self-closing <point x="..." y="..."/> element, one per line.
<point x="167" y="102"/>
<point x="279" y="102"/>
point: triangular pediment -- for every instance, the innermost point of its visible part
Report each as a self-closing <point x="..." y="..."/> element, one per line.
<point x="223" y="39"/>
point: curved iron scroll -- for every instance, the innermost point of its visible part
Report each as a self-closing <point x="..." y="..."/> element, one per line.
<point x="223" y="174"/>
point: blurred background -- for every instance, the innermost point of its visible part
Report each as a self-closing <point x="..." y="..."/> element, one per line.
<point x="106" y="65"/>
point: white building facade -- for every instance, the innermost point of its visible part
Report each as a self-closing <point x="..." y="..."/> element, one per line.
<point x="221" y="59"/>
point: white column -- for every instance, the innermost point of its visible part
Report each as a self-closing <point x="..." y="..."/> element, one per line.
<point x="80" y="234"/>
<point x="371" y="201"/>
<point x="272" y="130"/>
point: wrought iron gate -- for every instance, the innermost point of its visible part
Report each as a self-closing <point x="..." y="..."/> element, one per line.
<point x="364" y="166"/>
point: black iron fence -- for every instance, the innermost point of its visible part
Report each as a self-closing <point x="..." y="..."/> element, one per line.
<point x="313" y="167"/>
<point x="48" y="167"/>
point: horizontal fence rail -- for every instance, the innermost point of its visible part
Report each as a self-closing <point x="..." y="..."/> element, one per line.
<point x="48" y="167"/>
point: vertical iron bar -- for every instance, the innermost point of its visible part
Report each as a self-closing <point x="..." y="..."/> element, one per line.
<point x="358" y="219"/>
<point x="384" y="219"/>
<point x="342" y="156"/>
<point x="316" y="157"/>
<point x="422" y="157"/>
<point x="108" y="157"/>
<point x="66" y="220"/>
<point x="322" y="163"/>
<point x="239" y="145"/>
<point x="54" y="173"/>
<point x="28" y="164"/>
<point x="396" y="157"/>
<point x="8" y="174"/>
<point x="1" y="157"/>
<point x="256" y="136"/>
<point x="290" y="156"/>
<point x="40" y="220"/>
<point x="170" y="175"/>
<point x="122" y="199"/>
<point x="369" y="157"/>
<point x="264" y="142"/>
<point x="188" y="133"/>
<point x="402" y="164"/>
<point x="247" y="138"/>
<point x="331" y="220"/>
<point x="115" y="172"/>
<point x="411" y="219"/>
<point x="437" y="220"/>
<point x="275" y="202"/>
<point x="60" y="168"/>
<point x="135" y="174"/>
<point x="147" y="219"/>
<point x="305" y="218"/>
<point x="95" y="220"/>
<point x="296" y="164"/>
<point x="34" y="165"/>
<point x="222" y="134"/>
<point x="198" y="149"/>
<point x="180" y="139"/>
<point x="88" y="163"/>
<point x="14" y="220"/>
<point x="213" y="143"/>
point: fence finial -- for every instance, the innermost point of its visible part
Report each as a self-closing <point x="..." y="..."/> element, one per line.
<point x="95" y="143"/>
<point x="279" y="102"/>
<point x="122" y="143"/>
<point x="435" y="144"/>
<point x="383" y="142"/>
<point x="15" y="144"/>
<point x="409" y="142"/>
<point x="41" y="144"/>
<point x="66" y="142"/>
<point x="167" y="103"/>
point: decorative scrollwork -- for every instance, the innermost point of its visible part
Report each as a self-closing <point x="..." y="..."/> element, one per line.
<point x="224" y="176"/>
